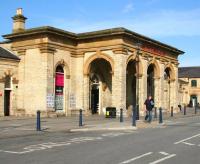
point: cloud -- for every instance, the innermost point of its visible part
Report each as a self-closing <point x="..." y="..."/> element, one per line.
<point x="159" y="24"/>
<point x="128" y="8"/>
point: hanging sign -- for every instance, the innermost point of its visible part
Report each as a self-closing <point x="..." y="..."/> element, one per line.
<point x="60" y="79"/>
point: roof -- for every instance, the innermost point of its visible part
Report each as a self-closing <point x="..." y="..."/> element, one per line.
<point x="4" y="53"/>
<point x="189" y="72"/>
<point x="91" y="35"/>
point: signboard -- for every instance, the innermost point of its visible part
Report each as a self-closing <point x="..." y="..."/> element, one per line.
<point x="153" y="50"/>
<point x="60" y="79"/>
<point x="50" y="100"/>
<point x="72" y="100"/>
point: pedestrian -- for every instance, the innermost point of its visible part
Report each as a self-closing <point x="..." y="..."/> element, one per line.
<point x="149" y="103"/>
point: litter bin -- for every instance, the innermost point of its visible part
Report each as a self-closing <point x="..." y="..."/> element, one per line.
<point x="110" y="112"/>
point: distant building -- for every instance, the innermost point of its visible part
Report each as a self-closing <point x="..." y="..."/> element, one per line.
<point x="189" y="85"/>
<point x="60" y="72"/>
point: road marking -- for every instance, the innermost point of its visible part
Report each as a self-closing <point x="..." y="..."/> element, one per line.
<point x="187" y="143"/>
<point x="197" y="135"/>
<point x="163" y="153"/>
<point x="163" y="159"/>
<point x="138" y="157"/>
<point x="50" y="145"/>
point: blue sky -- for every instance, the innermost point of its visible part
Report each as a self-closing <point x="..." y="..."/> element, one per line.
<point x="175" y="22"/>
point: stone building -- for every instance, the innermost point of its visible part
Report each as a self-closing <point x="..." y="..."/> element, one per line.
<point x="189" y="85"/>
<point x="60" y="72"/>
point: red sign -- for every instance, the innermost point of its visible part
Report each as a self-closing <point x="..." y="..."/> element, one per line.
<point x="153" y="50"/>
<point x="1" y="94"/>
<point x="59" y="79"/>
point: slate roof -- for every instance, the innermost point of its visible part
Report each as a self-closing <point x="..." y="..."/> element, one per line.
<point x="189" y="72"/>
<point x="4" y="53"/>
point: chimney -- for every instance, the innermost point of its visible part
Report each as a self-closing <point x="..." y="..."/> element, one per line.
<point x="18" y="21"/>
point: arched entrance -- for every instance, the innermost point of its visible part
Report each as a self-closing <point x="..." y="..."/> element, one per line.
<point x="59" y="86"/>
<point x="100" y="85"/>
<point x="131" y="84"/>
<point x="150" y="80"/>
<point x="7" y="94"/>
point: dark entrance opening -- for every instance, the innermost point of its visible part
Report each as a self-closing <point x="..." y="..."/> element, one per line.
<point x="150" y="81"/>
<point x="95" y="98"/>
<point x="6" y="102"/>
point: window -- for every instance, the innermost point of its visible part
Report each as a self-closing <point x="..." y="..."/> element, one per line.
<point x="193" y="83"/>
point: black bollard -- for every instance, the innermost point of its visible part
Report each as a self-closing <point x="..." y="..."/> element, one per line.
<point x="121" y="115"/>
<point x="80" y="117"/>
<point x="137" y="112"/>
<point x="38" y="126"/>
<point x="160" y="116"/>
<point x="184" y="110"/>
<point x="172" y="111"/>
<point x="155" y="112"/>
<point x="133" y="117"/>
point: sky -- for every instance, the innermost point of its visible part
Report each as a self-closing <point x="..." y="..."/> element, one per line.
<point x="174" y="22"/>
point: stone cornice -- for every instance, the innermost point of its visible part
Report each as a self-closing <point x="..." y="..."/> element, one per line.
<point x="46" y="48"/>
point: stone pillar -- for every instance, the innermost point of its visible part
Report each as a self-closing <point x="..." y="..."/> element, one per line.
<point x="119" y="82"/>
<point x="143" y="85"/>
<point x="86" y="97"/>
<point x="161" y="88"/>
<point x="21" y="77"/>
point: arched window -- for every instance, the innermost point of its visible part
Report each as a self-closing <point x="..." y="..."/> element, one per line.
<point x="59" y="85"/>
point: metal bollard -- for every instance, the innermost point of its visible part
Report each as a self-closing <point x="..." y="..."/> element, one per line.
<point x="184" y="110"/>
<point x="80" y="117"/>
<point x="172" y="111"/>
<point x="155" y="112"/>
<point x="160" y="116"/>
<point x="121" y="115"/>
<point x="133" y="117"/>
<point x="38" y="126"/>
<point x="137" y="112"/>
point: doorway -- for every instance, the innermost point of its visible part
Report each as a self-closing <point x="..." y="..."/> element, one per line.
<point x="7" y="103"/>
<point x="95" y="98"/>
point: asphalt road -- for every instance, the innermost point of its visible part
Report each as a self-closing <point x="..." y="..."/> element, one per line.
<point x="174" y="143"/>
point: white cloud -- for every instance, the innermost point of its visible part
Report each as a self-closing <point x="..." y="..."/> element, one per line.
<point x="128" y="8"/>
<point x="160" y="23"/>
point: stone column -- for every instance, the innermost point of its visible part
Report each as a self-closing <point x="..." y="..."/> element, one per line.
<point x="86" y="97"/>
<point x="48" y="65"/>
<point x="143" y="85"/>
<point x="119" y="82"/>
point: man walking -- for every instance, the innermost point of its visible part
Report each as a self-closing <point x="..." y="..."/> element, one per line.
<point x="149" y="103"/>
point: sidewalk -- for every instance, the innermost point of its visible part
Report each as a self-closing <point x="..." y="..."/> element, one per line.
<point x="22" y="126"/>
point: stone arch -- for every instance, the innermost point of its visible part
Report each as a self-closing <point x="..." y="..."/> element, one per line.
<point x="156" y="68"/>
<point x="172" y="71"/>
<point x="97" y="56"/>
<point x="133" y="57"/>
<point x="64" y="65"/>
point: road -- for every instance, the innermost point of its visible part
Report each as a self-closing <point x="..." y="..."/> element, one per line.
<point x="176" y="142"/>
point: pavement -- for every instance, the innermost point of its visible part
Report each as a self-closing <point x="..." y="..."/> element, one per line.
<point x="24" y="126"/>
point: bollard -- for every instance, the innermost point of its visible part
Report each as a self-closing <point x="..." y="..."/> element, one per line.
<point x="80" y="117"/>
<point x="133" y="117"/>
<point x="121" y="115"/>
<point x="160" y="116"/>
<point x="137" y="112"/>
<point x="185" y="110"/>
<point x="195" y="109"/>
<point x="172" y="111"/>
<point x="38" y="126"/>
<point x="155" y="112"/>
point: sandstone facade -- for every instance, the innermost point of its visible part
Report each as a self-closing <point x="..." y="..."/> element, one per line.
<point x="107" y="68"/>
